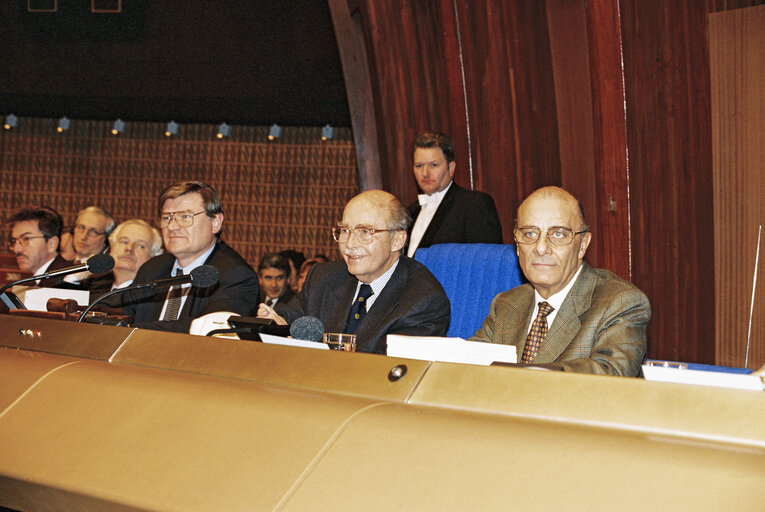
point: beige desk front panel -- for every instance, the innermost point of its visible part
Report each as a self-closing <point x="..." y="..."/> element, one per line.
<point x="396" y="457"/>
<point x="93" y="433"/>
<point x="61" y="337"/>
<point x="338" y="372"/>
<point x="20" y="370"/>
<point x="621" y="403"/>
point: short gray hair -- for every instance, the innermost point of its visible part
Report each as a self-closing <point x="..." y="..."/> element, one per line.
<point x="156" y="237"/>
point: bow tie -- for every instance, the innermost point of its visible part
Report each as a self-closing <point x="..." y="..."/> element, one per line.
<point x="426" y="199"/>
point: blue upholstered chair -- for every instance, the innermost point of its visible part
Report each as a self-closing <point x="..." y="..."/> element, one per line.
<point x="472" y="275"/>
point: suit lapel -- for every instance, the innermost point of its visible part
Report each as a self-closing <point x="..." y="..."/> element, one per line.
<point x="374" y="321"/>
<point x="438" y="217"/>
<point x="515" y="331"/>
<point x="338" y="305"/>
<point x="566" y="324"/>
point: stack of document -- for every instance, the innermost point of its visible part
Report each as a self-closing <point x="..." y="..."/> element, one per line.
<point x="449" y="350"/>
<point x="680" y="373"/>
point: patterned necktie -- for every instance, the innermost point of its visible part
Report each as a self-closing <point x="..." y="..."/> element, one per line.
<point x="174" y="296"/>
<point x="359" y="309"/>
<point x="537" y="333"/>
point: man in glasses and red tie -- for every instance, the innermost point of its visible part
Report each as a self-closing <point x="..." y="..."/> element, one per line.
<point x="375" y="290"/>
<point x="569" y="315"/>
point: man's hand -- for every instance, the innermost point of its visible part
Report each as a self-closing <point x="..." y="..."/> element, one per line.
<point x="268" y="312"/>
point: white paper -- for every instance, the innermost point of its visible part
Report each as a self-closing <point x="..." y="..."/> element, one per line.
<point x="449" y="350"/>
<point x="292" y="342"/>
<point x="36" y="299"/>
<point x="702" y="378"/>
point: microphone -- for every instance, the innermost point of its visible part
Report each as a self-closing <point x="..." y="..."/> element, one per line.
<point x="307" y="328"/>
<point x="201" y="277"/>
<point x="98" y="264"/>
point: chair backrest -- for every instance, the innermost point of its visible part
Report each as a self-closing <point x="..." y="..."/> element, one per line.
<point x="472" y="275"/>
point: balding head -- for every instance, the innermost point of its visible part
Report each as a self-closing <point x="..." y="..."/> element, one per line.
<point x="388" y="217"/>
<point x="551" y="213"/>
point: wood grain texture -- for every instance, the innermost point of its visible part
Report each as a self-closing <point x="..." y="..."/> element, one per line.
<point x="480" y="72"/>
<point x="350" y="44"/>
<point x="737" y="69"/>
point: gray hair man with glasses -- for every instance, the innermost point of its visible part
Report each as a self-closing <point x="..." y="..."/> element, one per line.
<point x="398" y="294"/>
<point x="190" y="216"/>
<point x="34" y="239"/>
<point x="569" y="316"/>
<point x="89" y="237"/>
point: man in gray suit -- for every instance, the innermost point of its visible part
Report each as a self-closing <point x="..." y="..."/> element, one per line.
<point x="597" y="321"/>
<point x="399" y="295"/>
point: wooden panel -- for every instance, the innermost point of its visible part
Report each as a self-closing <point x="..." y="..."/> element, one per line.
<point x="350" y="43"/>
<point x="737" y="61"/>
<point x="571" y="65"/>
<point x="479" y="71"/>
<point x="669" y="140"/>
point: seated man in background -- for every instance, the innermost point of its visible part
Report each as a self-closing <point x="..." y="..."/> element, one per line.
<point x="272" y="278"/>
<point x="445" y="212"/>
<point x="34" y="240"/>
<point x="89" y="237"/>
<point x="295" y="260"/>
<point x="191" y="218"/>
<point x="597" y="320"/>
<point x="131" y="244"/>
<point x="374" y="290"/>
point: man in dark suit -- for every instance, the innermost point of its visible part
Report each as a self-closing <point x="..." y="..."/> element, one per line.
<point x="34" y="240"/>
<point x="597" y="321"/>
<point x="131" y="244"/>
<point x="390" y="293"/>
<point x="191" y="219"/>
<point x="446" y="212"/>
<point x="273" y="275"/>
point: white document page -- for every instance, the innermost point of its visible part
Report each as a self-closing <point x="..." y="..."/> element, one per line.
<point x="449" y="350"/>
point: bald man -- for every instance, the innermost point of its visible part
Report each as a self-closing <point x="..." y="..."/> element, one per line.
<point x="402" y="295"/>
<point x="569" y="315"/>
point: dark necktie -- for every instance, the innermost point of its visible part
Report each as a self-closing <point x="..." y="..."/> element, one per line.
<point x="174" y="300"/>
<point x="270" y="302"/>
<point x="537" y="333"/>
<point x="359" y="309"/>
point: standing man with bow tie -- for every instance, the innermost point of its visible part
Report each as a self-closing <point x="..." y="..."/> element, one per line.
<point x="445" y="212"/>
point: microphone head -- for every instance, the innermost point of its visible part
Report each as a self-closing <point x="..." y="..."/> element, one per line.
<point x="307" y="328"/>
<point x="100" y="264"/>
<point x="204" y="276"/>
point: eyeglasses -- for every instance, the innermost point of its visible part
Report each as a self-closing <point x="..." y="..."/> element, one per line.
<point x="557" y="236"/>
<point x="23" y="241"/>
<point x="184" y="219"/>
<point x="89" y="232"/>
<point x="363" y="233"/>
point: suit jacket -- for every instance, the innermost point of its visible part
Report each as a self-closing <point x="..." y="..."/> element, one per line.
<point x="286" y="295"/>
<point x="236" y="291"/>
<point x="464" y="216"/>
<point x="412" y="302"/>
<point x="58" y="282"/>
<point x="600" y="328"/>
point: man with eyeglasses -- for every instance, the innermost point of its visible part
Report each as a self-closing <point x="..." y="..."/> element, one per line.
<point x="398" y="295"/>
<point x="569" y="316"/>
<point x="190" y="216"/>
<point x="89" y="237"/>
<point x="34" y="240"/>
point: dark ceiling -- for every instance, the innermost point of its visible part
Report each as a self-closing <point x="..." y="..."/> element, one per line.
<point x="251" y="62"/>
